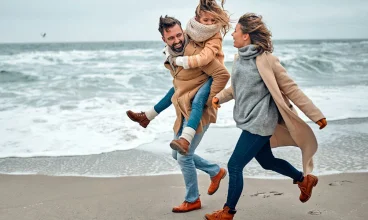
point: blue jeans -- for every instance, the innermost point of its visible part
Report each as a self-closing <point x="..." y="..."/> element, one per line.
<point x="165" y="102"/>
<point x="198" y="103"/>
<point x="190" y="162"/>
<point x="249" y="146"/>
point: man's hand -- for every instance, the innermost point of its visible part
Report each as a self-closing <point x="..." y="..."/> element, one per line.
<point x="215" y="103"/>
<point x="322" y="123"/>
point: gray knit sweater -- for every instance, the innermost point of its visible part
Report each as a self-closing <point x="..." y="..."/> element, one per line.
<point x="255" y="110"/>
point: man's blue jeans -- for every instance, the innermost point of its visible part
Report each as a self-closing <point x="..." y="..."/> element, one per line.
<point x="198" y="103"/>
<point x="190" y="162"/>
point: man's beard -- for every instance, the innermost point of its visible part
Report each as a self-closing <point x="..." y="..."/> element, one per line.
<point x="178" y="50"/>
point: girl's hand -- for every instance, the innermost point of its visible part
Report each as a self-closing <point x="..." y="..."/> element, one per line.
<point x="215" y="103"/>
<point x="179" y="61"/>
<point x="322" y="123"/>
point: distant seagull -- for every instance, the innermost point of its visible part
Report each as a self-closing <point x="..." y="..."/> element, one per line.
<point x="43" y="35"/>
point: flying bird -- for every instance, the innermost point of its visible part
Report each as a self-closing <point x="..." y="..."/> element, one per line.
<point x="43" y="35"/>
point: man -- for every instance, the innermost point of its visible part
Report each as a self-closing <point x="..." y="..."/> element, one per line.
<point x="186" y="84"/>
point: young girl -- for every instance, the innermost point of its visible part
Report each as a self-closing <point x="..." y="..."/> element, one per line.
<point x="205" y="29"/>
<point x="262" y="90"/>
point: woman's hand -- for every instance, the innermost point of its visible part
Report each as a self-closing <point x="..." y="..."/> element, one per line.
<point x="322" y="123"/>
<point x="215" y="103"/>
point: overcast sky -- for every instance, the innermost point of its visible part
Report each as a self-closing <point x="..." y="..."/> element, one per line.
<point x="127" y="20"/>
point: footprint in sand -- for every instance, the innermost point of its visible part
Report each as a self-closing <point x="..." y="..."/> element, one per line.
<point x="340" y="183"/>
<point x="267" y="194"/>
<point x="315" y="212"/>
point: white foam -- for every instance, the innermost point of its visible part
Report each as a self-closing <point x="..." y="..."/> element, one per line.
<point x="97" y="125"/>
<point x="335" y="103"/>
<point x="74" y="56"/>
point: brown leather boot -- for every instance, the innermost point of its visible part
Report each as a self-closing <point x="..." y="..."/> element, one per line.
<point x="187" y="206"/>
<point x="306" y="187"/>
<point x="223" y="214"/>
<point x="141" y="118"/>
<point x="181" y="145"/>
<point x="215" y="181"/>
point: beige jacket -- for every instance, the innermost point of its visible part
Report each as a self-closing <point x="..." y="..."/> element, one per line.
<point x="212" y="49"/>
<point x="188" y="81"/>
<point x="292" y="130"/>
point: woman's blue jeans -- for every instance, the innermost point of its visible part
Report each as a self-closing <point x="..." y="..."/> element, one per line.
<point x="251" y="146"/>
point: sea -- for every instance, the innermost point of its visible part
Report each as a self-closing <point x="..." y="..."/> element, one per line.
<point x="62" y="108"/>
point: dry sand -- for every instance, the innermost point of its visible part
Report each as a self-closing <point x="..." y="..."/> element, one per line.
<point x="342" y="196"/>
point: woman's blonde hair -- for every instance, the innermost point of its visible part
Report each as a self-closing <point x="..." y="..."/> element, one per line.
<point x="260" y="35"/>
<point x="215" y="10"/>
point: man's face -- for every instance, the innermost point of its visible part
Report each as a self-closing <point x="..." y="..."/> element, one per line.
<point x="174" y="38"/>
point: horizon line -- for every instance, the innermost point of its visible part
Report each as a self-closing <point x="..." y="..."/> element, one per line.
<point x="130" y="41"/>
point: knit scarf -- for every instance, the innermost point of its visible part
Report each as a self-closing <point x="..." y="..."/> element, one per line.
<point x="249" y="52"/>
<point x="200" y="32"/>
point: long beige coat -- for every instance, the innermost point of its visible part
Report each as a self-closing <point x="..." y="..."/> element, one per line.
<point x="187" y="82"/>
<point x="292" y="130"/>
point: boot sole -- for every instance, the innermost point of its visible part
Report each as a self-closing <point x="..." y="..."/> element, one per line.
<point x="314" y="185"/>
<point x="186" y="210"/>
<point x="223" y="176"/>
<point x="178" y="148"/>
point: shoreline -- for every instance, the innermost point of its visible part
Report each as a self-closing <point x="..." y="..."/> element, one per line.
<point x="279" y="177"/>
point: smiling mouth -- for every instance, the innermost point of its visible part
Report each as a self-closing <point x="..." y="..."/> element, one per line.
<point x="178" y="46"/>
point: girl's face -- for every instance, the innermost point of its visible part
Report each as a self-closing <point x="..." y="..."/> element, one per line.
<point x="240" y="39"/>
<point x="206" y="18"/>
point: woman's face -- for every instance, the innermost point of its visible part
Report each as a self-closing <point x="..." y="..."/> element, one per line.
<point x="240" y="39"/>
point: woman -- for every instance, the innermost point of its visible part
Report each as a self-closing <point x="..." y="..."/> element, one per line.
<point x="262" y="90"/>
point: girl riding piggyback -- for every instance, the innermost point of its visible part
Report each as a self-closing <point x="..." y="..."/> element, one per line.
<point x="207" y="28"/>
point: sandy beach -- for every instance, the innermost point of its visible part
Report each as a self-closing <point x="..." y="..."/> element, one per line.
<point x="70" y="71"/>
<point x="22" y="197"/>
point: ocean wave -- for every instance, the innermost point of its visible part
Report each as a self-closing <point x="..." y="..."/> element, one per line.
<point x="87" y="127"/>
<point x="314" y="64"/>
<point x="362" y="119"/>
<point x="77" y="104"/>
<point x="78" y="56"/>
<point x="14" y="76"/>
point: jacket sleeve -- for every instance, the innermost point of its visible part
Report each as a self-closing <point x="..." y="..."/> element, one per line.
<point x="220" y="76"/>
<point x="209" y="52"/>
<point x="292" y="91"/>
<point x="225" y="95"/>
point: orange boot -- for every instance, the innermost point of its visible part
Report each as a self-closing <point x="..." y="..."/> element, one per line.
<point x="187" y="206"/>
<point x="215" y="181"/>
<point x="306" y="187"/>
<point x="224" y="214"/>
<point x="141" y="118"/>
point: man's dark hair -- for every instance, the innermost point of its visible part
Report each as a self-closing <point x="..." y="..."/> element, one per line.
<point x="166" y="23"/>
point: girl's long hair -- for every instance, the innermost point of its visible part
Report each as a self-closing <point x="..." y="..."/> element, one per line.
<point x="217" y="11"/>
